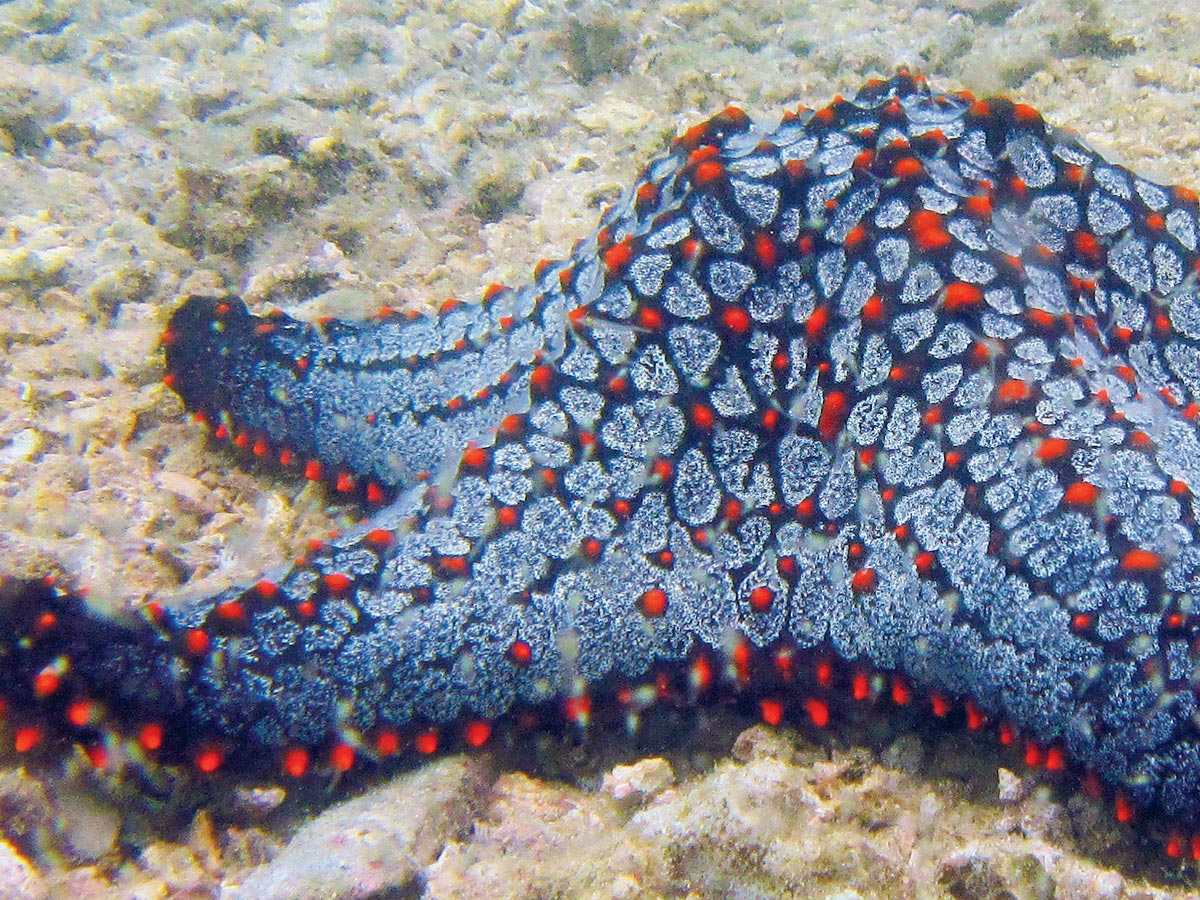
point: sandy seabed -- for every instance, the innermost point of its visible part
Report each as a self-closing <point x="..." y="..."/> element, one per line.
<point x="333" y="157"/>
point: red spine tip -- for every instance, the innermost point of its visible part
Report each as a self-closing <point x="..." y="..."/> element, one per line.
<point x="341" y="757"/>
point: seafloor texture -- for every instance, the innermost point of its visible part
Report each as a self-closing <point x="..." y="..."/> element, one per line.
<point x="333" y="158"/>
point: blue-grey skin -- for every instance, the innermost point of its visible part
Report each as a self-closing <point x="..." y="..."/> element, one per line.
<point x="957" y="448"/>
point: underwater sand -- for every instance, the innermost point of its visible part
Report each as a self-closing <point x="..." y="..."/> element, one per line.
<point x="333" y="157"/>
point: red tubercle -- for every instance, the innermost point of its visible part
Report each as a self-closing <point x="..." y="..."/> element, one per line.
<point x="1053" y="448"/>
<point x="1056" y="758"/>
<point x="650" y="318"/>
<point x="736" y="319"/>
<point x="1081" y="493"/>
<point x="975" y="717"/>
<point x="761" y="599"/>
<point x="979" y="206"/>
<point x="337" y="582"/>
<point x="907" y="168"/>
<point x="426" y="742"/>
<point x="766" y="252"/>
<point x="932" y="239"/>
<point x="939" y="705"/>
<point x="541" y="378"/>
<point x="864" y="581"/>
<point x="475" y="457"/>
<point x="960" y="295"/>
<point x="646" y="197"/>
<point x="47" y="682"/>
<point x="45" y="623"/>
<point x="98" y="755"/>
<point x="209" y="759"/>
<point x="854" y="238"/>
<point x="387" y="742"/>
<point x="477" y="732"/>
<point x="453" y="566"/>
<point x="1174" y="845"/>
<point x="708" y="174"/>
<point x="700" y="674"/>
<point x="150" y="736"/>
<point x="83" y="712"/>
<point x="653" y="603"/>
<point x="1041" y="319"/>
<point x="834" y="411"/>
<point x="1034" y="756"/>
<point x="520" y="653"/>
<point x="296" y="761"/>
<point x="816" y="323"/>
<point x="864" y="160"/>
<point x="784" y="662"/>
<point x="577" y="708"/>
<point x="1139" y="560"/>
<point x="230" y="611"/>
<point x="26" y="738"/>
<point x="824" y="672"/>
<point x="731" y="510"/>
<point x="1123" y="808"/>
<point x="873" y="311"/>
<point x="197" y="641"/>
<point x="771" y="710"/>
<point x="1013" y="391"/>
<point x="818" y="711"/>
<point x="342" y="756"/>
<point x="618" y="257"/>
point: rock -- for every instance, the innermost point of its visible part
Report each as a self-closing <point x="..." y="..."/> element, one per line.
<point x="18" y="880"/>
<point x="377" y="843"/>
<point x="89" y="825"/>
<point x="1012" y="787"/>
<point x="761" y="742"/>
<point x="256" y="803"/>
<point x="546" y="840"/>
<point x="1016" y="876"/>
<point x="640" y="781"/>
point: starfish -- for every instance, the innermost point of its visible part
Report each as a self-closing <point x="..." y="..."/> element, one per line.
<point x="896" y="403"/>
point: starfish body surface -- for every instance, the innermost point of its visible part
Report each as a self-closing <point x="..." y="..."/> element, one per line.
<point x="895" y="401"/>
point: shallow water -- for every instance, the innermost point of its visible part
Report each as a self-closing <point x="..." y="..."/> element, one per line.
<point x="334" y="157"/>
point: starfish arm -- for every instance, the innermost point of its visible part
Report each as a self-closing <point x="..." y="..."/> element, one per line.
<point x="372" y="406"/>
